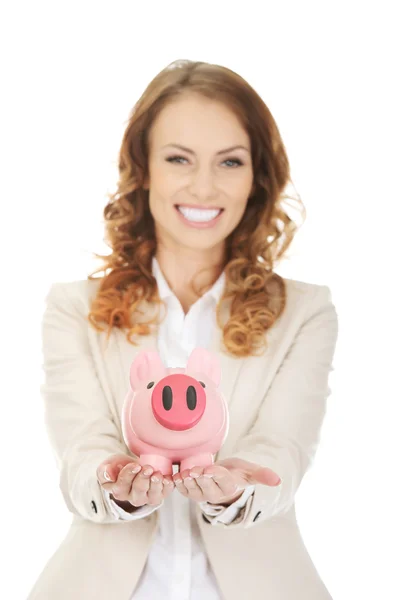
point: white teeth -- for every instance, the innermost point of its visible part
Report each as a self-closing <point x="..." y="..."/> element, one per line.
<point x="199" y="214"/>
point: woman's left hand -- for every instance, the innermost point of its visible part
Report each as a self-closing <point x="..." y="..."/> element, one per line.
<point x="224" y="481"/>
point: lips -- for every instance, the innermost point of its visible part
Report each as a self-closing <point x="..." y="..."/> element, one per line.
<point x="199" y="206"/>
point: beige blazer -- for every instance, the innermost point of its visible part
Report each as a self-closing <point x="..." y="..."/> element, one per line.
<point x="277" y="404"/>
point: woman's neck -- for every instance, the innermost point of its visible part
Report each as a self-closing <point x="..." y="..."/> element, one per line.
<point x="179" y="271"/>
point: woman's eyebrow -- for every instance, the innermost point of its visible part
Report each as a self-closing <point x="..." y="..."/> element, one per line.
<point x="220" y="152"/>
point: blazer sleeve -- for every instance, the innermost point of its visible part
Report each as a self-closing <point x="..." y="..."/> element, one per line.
<point x="81" y="430"/>
<point x="286" y="432"/>
<point x="215" y="513"/>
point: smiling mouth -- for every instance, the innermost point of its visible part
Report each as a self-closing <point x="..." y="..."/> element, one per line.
<point x="198" y="207"/>
<point x="198" y="215"/>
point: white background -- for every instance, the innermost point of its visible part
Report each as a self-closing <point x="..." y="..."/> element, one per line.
<point x="70" y="73"/>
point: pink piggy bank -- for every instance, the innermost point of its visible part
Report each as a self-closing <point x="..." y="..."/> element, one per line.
<point x="175" y="415"/>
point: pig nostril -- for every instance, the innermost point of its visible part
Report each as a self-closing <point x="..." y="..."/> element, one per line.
<point x="150" y="385"/>
<point x="167" y="397"/>
<point x="191" y="397"/>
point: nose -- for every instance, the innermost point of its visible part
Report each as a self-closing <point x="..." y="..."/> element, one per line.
<point x="178" y="402"/>
<point x="203" y="186"/>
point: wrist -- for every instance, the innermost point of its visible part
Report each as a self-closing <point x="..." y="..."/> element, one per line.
<point x="229" y="501"/>
<point x="124" y="504"/>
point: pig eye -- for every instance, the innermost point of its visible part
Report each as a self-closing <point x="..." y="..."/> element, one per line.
<point x="167" y="397"/>
<point x="203" y="384"/>
<point x="150" y="385"/>
<point x="191" y="397"/>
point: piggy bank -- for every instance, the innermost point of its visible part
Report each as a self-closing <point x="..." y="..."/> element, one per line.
<point x="175" y="415"/>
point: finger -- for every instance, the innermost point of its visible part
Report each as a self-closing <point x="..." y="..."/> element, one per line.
<point x="107" y="473"/>
<point x="252" y="472"/>
<point x="168" y="485"/>
<point x="226" y="481"/>
<point x="109" y="477"/>
<point x="211" y="491"/>
<point x="122" y="487"/>
<point x="208" y="492"/>
<point x="262" y="475"/>
<point x="103" y="474"/>
<point x="196" y="473"/>
<point x="194" y="491"/>
<point x="156" y="485"/>
<point x="177" y="478"/>
<point x="266" y="476"/>
<point x="140" y="486"/>
<point x="108" y="470"/>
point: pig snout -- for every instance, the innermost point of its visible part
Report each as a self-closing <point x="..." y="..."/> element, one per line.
<point x="178" y="401"/>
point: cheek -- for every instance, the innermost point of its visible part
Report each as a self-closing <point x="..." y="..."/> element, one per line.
<point x="159" y="202"/>
<point x="236" y="212"/>
<point x="164" y="190"/>
<point x="165" y="179"/>
<point x="238" y="204"/>
<point x="239" y="189"/>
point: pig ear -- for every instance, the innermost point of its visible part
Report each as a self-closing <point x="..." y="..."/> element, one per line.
<point x="203" y="361"/>
<point x="146" y="367"/>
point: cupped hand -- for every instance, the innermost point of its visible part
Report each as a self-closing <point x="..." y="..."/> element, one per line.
<point x="128" y="481"/>
<point x="224" y="481"/>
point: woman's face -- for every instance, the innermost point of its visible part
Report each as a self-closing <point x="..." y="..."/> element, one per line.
<point x="202" y="174"/>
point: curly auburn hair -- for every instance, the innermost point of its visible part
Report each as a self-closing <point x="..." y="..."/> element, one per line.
<point x="257" y="294"/>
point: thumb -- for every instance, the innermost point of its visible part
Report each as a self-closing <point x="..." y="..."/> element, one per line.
<point x="110" y="468"/>
<point x="265" y="476"/>
<point x="252" y="472"/>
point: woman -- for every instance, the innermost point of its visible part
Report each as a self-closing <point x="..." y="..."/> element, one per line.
<point x="200" y="198"/>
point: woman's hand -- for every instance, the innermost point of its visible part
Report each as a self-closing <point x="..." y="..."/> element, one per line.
<point x="224" y="481"/>
<point x="127" y="481"/>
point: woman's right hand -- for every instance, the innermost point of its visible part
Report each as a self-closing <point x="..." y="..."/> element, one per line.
<point x="115" y="475"/>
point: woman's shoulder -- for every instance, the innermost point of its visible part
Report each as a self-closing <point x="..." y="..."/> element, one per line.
<point x="80" y="292"/>
<point x="296" y="289"/>
<point x="307" y="299"/>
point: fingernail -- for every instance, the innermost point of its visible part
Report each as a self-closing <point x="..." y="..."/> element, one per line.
<point x="106" y="476"/>
<point x="178" y="480"/>
<point x="195" y="475"/>
<point x="136" y="469"/>
<point x="208" y="475"/>
<point x="155" y="479"/>
<point x="147" y="472"/>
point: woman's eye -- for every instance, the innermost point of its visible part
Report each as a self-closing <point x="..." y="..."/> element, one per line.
<point x="173" y="158"/>
<point x="234" y="160"/>
<point x="231" y="160"/>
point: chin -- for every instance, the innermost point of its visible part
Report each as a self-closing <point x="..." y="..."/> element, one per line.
<point x="207" y="244"/>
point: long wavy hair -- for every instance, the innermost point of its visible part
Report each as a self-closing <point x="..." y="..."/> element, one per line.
<point x="257" y="294"/>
